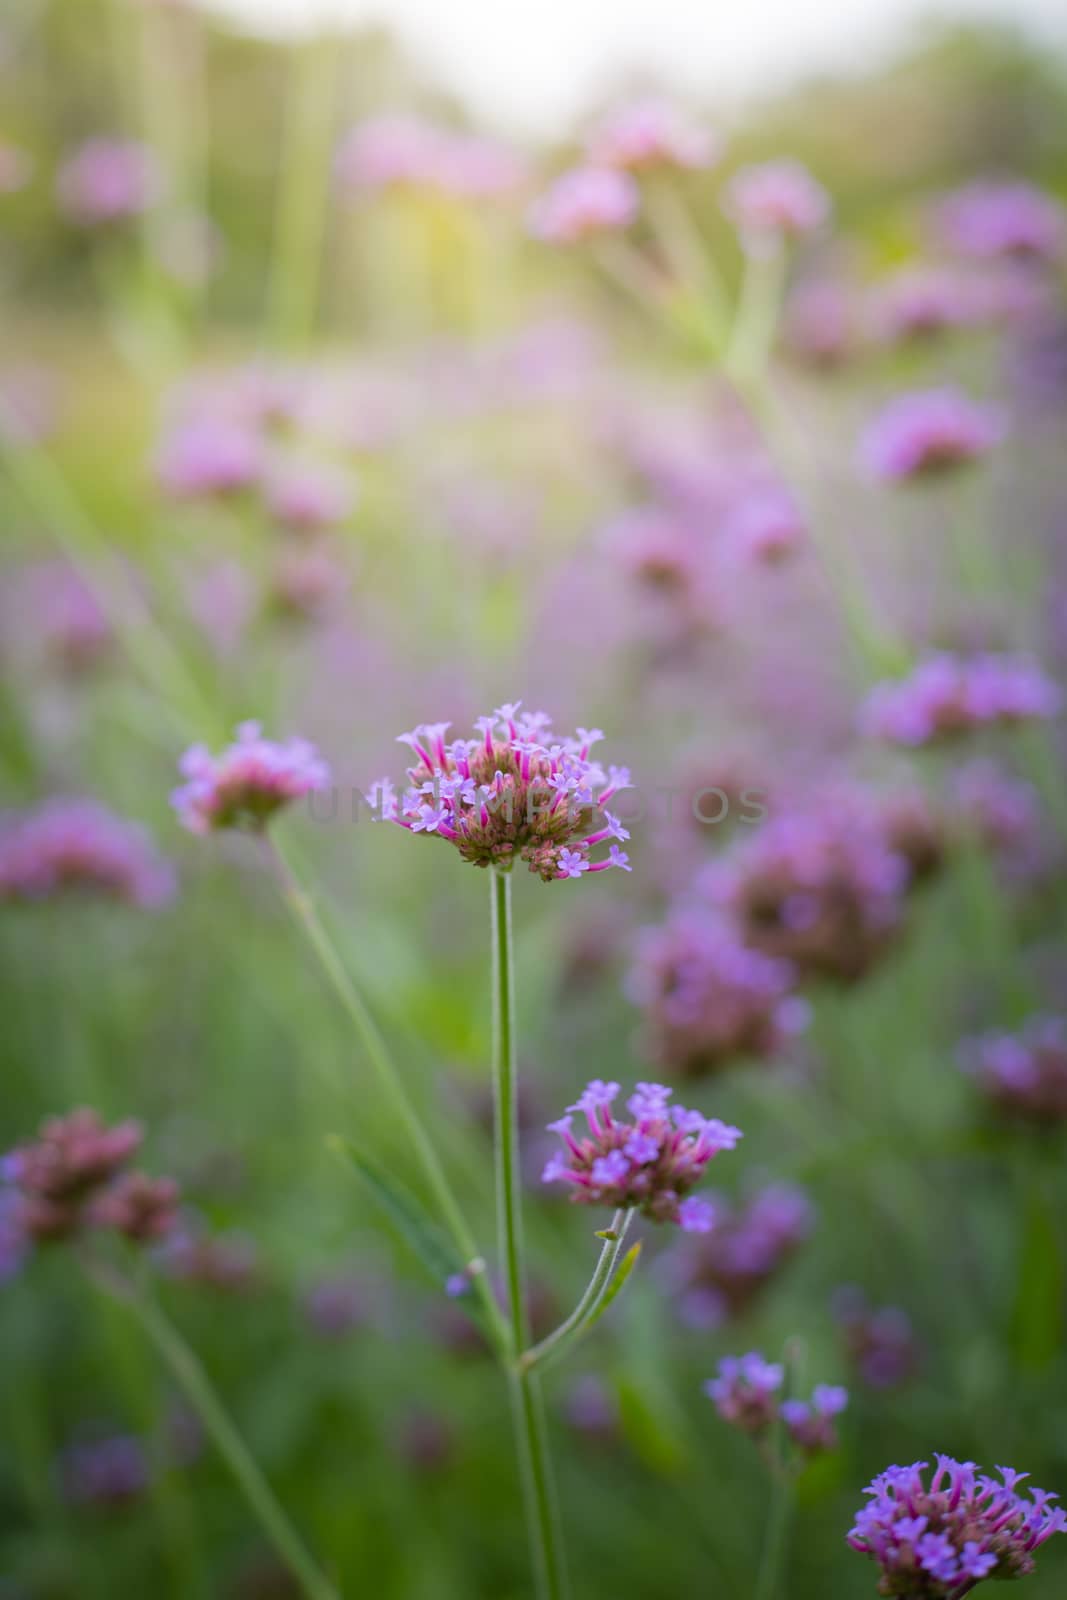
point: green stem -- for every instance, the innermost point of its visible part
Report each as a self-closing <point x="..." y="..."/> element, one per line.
<point x="304" y="911"/>
<point x="756" y="317"/>
<point x="527" y="1408"/>
<point x="303" y="188"/>
<point x="189" y="1373"/>
<point x="775" y="1539"/>
<point x="585" y="1311"/>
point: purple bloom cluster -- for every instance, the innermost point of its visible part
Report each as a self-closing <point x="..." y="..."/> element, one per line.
<point x="208" y="457"/>
<point x="879" y="1340"/>
<point x="765" y="528"/>
<point x="71" y="1177"/>
<point x="649" y="1161"/>
<point x="929" y="432"/>
<point x="1024" y="1075"/>
<point x="107" y="1473"/>
<point x="402" y="152"/>
<point x="708" y="998"/>
<point x="70" y="844"/>
<point x="921" y="302"/>
<point x="583" y="202"/>
<point x="717" y="1277"/>
<point x="107" y="180"/>
<point x="66" y="617"/>
<point x="778" y="200"/>
<point x="649" y="133"/>
<point x="745" y="1394"/>
<point x="245" y="785"/>
<point x="936" y="1539"/>
<point x="948" y="695"/>
<point x="308" y="496"/>
<point x="1017" y="220"/>
<point x="515" y="793"/>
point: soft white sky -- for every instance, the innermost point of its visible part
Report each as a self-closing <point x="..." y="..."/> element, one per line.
<point x="531" y="64"/>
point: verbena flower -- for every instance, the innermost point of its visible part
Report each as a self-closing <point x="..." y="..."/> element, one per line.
<point x="68" y="621"/>
<point x="648" y="1161"/>
<point x="649" y="133"/>
<point x="921" y="302"/>
<point x="999" y="809"/>
<point x="107" y="180"/>
<point x="227" y="1262"/>
<point x="948" y="695"/>
<point x="810" y="1423"/>
<point x="137" y="1206"/>
<point x="582" y="202"/>
<point x="1016" y="220"/>
<point x="775" y="201"/>
<point x="930" y="432"/>
<point x="402" y="152"/>
<point x="308" y="496"/>
<point x="70" y="845"/>
<point x="1023" y="1075"/>
<point x="818" y="323"/>
<point x="936" y="1537"/>
<point x="879" y="1340"/>
<point x="107" y="1472"/>
<point x="745" y="1392"/>
<point x="247" y="783"/>
<point x="708" y="999"/>
<point x="764" y="528"/>
<point x="209" y="457"/>
<point x="514" y="793"/>
<point x="717" y="1277"/>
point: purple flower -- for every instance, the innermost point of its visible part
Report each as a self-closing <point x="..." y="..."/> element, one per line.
<point x="810" y="1424"/>
<point x="71" y="845"/>
<point x="954" y="1528"/>
<point x="517" y="792"/>
<point x="649" y="133"/>
<point x="247" y="783"/>
<point x="209" y="457"/>
<point x="307" y="496"/>
<point x="401" y="152"/>
<point x="1023" y="1075"/>
<point x="107" y="180"/>
<point x="107" y="1473"/>
<point x="948" y="695"/>
<point x="648" y="1164"/>
<point x="776" y="201"/>
<point x="745" y="1391"/>
<point x="1016" y="220"/>
<point x="929" y="432"/>
<point x="879" y="1341"/>
<point x="718" y="1278"/>
<point x="583" y="202"/>
<point x="922" y="302"/>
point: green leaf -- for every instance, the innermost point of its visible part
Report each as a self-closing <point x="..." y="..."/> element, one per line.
<point x="408" y="1215"/>
<point x="1037" y="1322"/>
<point x="617" y="1284"/>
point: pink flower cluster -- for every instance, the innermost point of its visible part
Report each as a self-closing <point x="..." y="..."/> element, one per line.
<point x="583" y="202"/>
<point x="515" y="793"/>
<point x="745" y="1394"/>
<point x="647" y="1162"/>
<point x="390" y="152"/>
<point x="776" y="201"/>
<point x="929" y="432"/>
<point x="949" y="695"/>
<point x="1004" y="219"/>
<point x="649" y="133"/>
<point x="71" y="844"/>
<point x="1024" y="1075"/>
<point x="107" y="180"/>
<point x="247" y="783"/>
<point x="717" y="1277"/>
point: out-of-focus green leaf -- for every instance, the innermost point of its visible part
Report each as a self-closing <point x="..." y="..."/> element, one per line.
<point x="408" y="1216"/>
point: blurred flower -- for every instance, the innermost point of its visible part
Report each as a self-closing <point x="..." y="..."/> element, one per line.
<point x="745" y="1393"/>
<point x="929" y="432"/>
<point x="773" y="202"/>
<point x="921" y="302"/>
<point x="71" y="844"/>
<point x="708" y="999"/>
<point x="427" y="1442"/>
<point x="107" y="1473"/>
<point x="514" y="794"/>
<point x="650" y="1163"/>
<point x="716" y="1278"/>
<point x="106" y="180"/>
<point x="810" y="1423"/>
<point x="913" y="829"/>
<point x="591" y="1409"/>
<point x="646" y="133"/>
<point x="208" y="457"/>
<point x="765" y="527"/>
<point x="336" y="1306"/>
<point x="140" y="1207"/>
<point x="307" y="583"/>
<point x="879" y="1341"/>
<point x="228" y="1262"/>
<point x="654" y="547"/>
<point x="221" y="602"/>
<point x="1024" y="1075"/>
<point x="1000" y="810"/>
<point x="817" y="323"/>
<point x="1004" y="219"/>
<point x="307" y="496"/>
<point x="389" y="152"/>
<point x="16" y="167"/>
<point x="68" y="621"/>
<point x="934" y="1540"/>
<point x="248" y="783"/>
<point x="582" y="202"/>
<point x="949" y="695"/>
<point x="821" y="890"/>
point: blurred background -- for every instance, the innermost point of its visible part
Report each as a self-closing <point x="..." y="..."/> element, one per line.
<point x="313" y="411"/>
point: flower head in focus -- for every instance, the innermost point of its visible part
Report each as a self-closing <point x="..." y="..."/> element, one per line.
<point x="649" y="133"/>
<point x="810" y="1423"/>
<point x="583" y="202"/>
<point x="247" y="783"/>
<point x="517" y="792"/>
<point x="935" y="1536"/>
<point x="648" y="1161"/>
<point x="930" y="432"/>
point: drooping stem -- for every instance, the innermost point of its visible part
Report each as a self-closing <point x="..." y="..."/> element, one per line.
<point x="568" y="1332"/>
<point x="187" y="1370"/>
<point x="528" y="1412"/>
<point x="307" y="917"/>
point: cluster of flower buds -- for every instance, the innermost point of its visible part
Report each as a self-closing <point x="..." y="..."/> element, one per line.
<point x="879" y="1340"/>
<point x="648" y="1162"/>
<point x="716" y="1278"/>
<point x="710" y="1000"/>
<point x="776" y="201"/>
<point x="649" y="134"/>
<point x="106" y="1473"/>
<point x="936" y="1539"/>
<point x="248" y="783"/>
<point x="72" y="1178"/>
<point x="75" y="845"/>
<point x="1024" y="1075"/>
<point x="1004" y="220"/>
<point x="515" y="793"/>
<point x="932" y="432"/>
<point x="948" y="695"/>
<point x="746" y="1395"/>
<point x="584" y="202"/>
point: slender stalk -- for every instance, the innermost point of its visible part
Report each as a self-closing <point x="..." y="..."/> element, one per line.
<point x="303" y="185"/>
<point x="571" y="1330"/>
<point x="306" y="915"/>
<point x="528" y="1412"/>
<point x="756" y="317"/>
<point x="189" y="1373"/>
<point x="775" y="1538"/>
